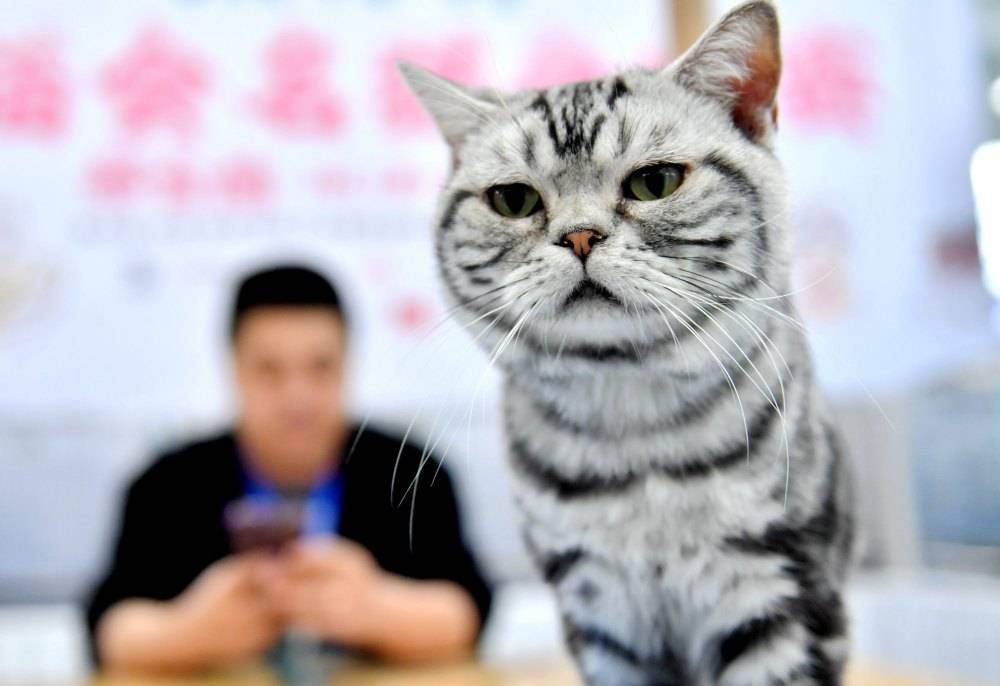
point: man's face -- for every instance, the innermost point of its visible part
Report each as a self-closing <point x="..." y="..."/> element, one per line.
<point x="289" y="364"/>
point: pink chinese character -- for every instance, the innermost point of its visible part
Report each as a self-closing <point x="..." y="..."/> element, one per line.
<point x="410" y="313"/>
<point x="555" y="57"/>
<point x="298" y="98"/>
<point x="177" y="182"/>
<point x="114" y="179"/>
<point x="34" y="95"/>
<point x="156" y="84"/>
<point x="245" y="181"/>
<point x="822" y="265"/>
<point x="458" y="57"/>
<point x="336" y="181"/>
<point x="828" y="81"/>
<point x="401" y="180"/>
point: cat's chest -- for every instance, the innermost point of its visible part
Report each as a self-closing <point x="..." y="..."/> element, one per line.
<point x="657" y="515"/>
<point x="612" y="497"/>
<point x="660" y="551"/>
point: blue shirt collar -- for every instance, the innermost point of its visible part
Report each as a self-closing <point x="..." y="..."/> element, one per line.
<point x="322" y="501"/>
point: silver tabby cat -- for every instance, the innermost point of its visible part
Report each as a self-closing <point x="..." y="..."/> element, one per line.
<point x="620" y="247"/>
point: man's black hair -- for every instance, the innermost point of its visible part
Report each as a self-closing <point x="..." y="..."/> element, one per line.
<point x="284" y="286"/>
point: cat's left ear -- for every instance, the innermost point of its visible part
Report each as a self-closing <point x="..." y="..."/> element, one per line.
<point x="457" y="110"/>
<point x="738" y="62"/>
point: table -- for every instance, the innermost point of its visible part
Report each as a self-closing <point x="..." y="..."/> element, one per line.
<point x="559" y="674"/>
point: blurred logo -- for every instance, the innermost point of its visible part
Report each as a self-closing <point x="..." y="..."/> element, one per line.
<point x="829" y="81"/>
<point x="298" y="98"/>
<point x="156" y="84"/>
<point x="34" y="90"/>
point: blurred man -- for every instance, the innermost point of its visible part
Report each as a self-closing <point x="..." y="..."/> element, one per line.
<point x="178" y="598"/>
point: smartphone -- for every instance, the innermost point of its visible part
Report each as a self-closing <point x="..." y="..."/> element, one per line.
<point x="267" y="525"/>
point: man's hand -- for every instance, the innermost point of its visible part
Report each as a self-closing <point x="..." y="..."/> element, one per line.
<point x="223" y="617"/>
<point x="334" y="589"/>
<point x="226" y="611"/>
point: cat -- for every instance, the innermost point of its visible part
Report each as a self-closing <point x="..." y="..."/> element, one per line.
<point x="620" y="247"/>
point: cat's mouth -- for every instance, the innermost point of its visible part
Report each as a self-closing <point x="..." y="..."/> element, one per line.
<point x="591" y="291"/>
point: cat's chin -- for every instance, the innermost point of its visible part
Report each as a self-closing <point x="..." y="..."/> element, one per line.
<point x="597" y="323"/>
<point x="589" y="293"/>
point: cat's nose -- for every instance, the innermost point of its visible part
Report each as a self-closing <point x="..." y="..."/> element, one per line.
<point x="581" y="241"/>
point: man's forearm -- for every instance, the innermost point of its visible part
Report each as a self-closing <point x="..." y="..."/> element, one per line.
<point x="424" y="621"/>
<point x="138" y="636"/>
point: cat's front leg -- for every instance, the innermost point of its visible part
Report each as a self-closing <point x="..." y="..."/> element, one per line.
<point x="789" y="662"/>
<point x="779" y="651"/>
<point x="602" y="622"/>
<point x="604" y="660"/>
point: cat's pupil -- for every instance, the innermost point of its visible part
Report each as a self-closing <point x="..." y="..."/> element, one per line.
<point x="515" y="197"/>
<point x="655" y="181"/>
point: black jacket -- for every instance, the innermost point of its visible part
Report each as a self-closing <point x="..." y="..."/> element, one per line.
<point x="171" y="528"/>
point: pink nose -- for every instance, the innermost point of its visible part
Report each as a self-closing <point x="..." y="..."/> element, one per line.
<point x="581" y="241"/>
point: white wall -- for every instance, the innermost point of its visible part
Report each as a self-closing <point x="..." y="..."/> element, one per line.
<point x="125" y="218"/>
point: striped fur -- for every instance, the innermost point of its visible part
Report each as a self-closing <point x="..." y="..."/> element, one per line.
<point x="680" y="485"/>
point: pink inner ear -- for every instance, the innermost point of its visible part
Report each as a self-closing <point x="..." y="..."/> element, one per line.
<point x="754" y="102"/>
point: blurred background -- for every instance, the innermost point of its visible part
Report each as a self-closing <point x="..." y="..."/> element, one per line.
<point x="153" y="151"/>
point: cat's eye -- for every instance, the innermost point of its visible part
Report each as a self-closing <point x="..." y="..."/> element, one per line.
<point x="654" y="182"/>
<point x="514" y="200"/>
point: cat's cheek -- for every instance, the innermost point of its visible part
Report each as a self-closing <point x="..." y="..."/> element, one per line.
<point x="643" y="211"/>
<point x="645" y="223"/>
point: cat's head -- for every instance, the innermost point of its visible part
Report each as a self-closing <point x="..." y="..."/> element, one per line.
<point x="598" y="213"/>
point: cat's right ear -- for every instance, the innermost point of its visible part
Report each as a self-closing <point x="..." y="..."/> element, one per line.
<point x="457" y="110"/>
<point x="738" y="63"/>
